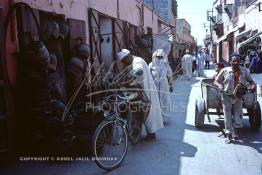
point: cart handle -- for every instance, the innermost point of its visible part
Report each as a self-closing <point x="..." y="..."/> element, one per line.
<point x="209" y="85"/>
<point x="215" y="87"/>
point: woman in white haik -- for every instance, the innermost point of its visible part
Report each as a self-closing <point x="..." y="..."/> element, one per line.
<point x="162" y="75"/>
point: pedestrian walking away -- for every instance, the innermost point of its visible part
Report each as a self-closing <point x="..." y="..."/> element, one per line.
<point x="207" y="59"/>
<point x="200" y="63"/>
<point x="187" y="65"/>
<point x="194" y="64"/>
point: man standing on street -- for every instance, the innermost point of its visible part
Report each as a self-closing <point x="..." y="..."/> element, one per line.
<point x="207" y="59"/>
<point x="187" y="65"/>
<point x="194" y="64"/>
<point x="200" y="63"/>
<point x="226" y="81"/>
<point x="138" y="66"/>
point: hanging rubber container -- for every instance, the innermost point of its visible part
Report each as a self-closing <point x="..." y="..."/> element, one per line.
<point x="83" y="51"/>
<point x="41" y="57"/>
<point x="76" y="66"/>
<point x="53" y="62"/>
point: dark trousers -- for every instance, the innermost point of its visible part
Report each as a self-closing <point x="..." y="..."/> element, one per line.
<point x="207" y="64"/>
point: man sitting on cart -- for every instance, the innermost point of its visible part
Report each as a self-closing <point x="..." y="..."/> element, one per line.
<point x="226" y="81"/>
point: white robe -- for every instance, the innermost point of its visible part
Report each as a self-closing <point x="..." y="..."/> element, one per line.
<point x="201" y="64"/>
<point x="154" y="120"/>
<point x="187" y="65"/>
<point x="161" y="70"/>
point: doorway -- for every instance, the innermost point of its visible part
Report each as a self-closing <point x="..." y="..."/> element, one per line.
<point x="3" y="114"/>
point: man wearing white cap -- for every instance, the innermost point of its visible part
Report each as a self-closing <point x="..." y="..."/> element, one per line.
<point x="154" y="120"/>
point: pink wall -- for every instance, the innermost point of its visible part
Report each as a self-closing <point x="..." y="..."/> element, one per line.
<point x="71" y="8"/>
<point x="75" y="9"/>
<point x="132" y="8"/>
<point x="151" y="20"/>
<point x="104" y="6"/>
<point x="148" y="22"/>
<point x="78" y="9"/>
<point x="125" y="6"/>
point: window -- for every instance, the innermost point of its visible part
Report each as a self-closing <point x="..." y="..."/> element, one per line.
<point x="159" y="26"/>
<point x="149" y="31"/>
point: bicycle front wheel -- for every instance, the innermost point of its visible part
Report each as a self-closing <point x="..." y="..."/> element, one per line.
<point x="109" y="145"/>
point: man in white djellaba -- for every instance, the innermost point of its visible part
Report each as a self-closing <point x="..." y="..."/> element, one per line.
<point x="162" y="75"/>
<point x="140" y="70"/>
<point x="187" y="65"/>
<point x="201" y="63"/>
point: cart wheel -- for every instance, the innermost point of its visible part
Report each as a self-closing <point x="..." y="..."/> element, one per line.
<point x="199" y="113"/>
<point x="255" y="117"/>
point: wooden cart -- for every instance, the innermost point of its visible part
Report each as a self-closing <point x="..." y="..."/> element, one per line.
<point x="211" y="99"/>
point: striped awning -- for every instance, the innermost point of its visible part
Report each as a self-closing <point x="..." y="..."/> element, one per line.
<point x="244" y="33"/>
<point x="249" y="40"/>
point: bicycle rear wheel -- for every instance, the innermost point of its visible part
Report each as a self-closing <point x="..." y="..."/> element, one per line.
<point x="134" y="125"/>
<point x="109" y="145"/>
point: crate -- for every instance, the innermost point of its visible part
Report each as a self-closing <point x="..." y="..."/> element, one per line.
<point x="249" y="99"/>
<point x="211" y="95"/>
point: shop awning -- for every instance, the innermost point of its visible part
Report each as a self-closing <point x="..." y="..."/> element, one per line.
<point x="248" y="40"/>
<point x="232" y="30"/>
<point x="180" y="46"/>
<point x="225" y="35"/>
<point x="221" y="39"/>
<point x="244" y="33"/>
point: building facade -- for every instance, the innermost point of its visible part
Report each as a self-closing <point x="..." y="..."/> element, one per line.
<point x="236" y="27"/>
<point x="183" y="37"/>
<point x="105" y="25"/>
<point x="165" y="8"/>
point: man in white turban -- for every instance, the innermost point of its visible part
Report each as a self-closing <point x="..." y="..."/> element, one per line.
<point x="162" y="75"/>
<point x="154" y="120"/>
<point x="187" y="65"/>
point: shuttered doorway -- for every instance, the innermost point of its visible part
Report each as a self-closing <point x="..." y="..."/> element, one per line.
<point x="119" y="29"/>
<point x="3" y="110"/>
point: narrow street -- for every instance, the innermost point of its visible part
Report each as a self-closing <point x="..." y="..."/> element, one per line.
<point x="180" y="148"/>
<point x="59" y="60"/>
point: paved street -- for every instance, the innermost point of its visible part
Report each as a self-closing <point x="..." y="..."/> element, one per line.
<point x="180" y="148"/>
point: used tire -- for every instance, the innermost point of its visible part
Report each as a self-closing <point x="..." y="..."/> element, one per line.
<point x="255" y="117"/>
<point x="199" y="113"/>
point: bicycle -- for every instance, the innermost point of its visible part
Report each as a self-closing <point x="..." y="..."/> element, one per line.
<point x="110" y="140"/>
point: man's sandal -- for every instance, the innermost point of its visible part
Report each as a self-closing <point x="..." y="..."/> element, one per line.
<point x="228" y="139"/>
